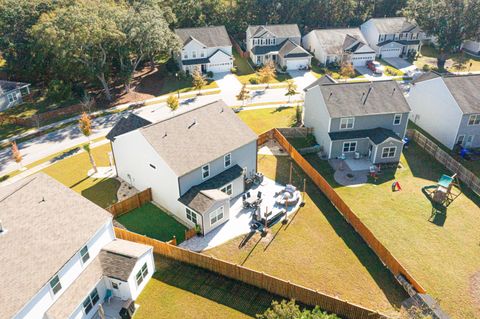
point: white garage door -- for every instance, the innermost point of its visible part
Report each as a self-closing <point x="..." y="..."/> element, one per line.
<point x="391" y="53"/>
<point x="296" y="64"/>
<point x="362" y="60"/>
<point x="220" y="67"/>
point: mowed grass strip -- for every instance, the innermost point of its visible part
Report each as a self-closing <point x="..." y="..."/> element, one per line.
<point x="151" y="221"/>
<point x="179" y="290"/>
<point x="263" y="120"/>
<point x="441" y="251"/>
<point x="317" y="249"/>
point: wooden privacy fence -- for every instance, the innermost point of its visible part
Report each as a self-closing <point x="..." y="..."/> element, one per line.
<point x="380" y="250"/>
<point x="131" y="203"/>
<point x="465" y="175"/>
<point x="255" y="278"/>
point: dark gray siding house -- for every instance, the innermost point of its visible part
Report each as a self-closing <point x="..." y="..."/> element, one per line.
<point x="358" y="120"/>
<point x="12" y="93"/>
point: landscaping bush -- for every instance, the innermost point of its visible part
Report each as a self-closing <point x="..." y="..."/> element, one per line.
<point x="172" y="66"/>
<point x="233" y="70"/>
<point x="426" y="68"/>
<point x="210" y="74"/>
<point x="284" y="68"/>
<point x="58" y="90"/>
<point x="288" y="310"/>
<point x="253" y="80"/>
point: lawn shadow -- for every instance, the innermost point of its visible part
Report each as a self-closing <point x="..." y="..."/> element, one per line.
<point x="228" y="292"/>
<point x="380" y="274"/>
<point x="279" y="109"/>
<point x="416" y="158"/>
<point x="103" y="193"/>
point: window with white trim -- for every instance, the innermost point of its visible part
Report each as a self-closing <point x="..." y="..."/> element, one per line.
<point x="216" y="215"/>
<point x="206" y="171"/>
<point x="346" y="123"/>
<point x="389" y="151"/>
<point x="349" y="147"/>
<point x="141" y="274"/>
<point x="227" y="189"/>
<point x="55" y="284"/>
<point x="227" y="160"/>
<point x="474" y="119"/>
<point x="191" y="215"/>
<point x="461" y="139"/>
<point x="84" y="255"/>
<point x="397" y="119"/>
<point x="194" y="54"/>
<point x="90" y="301"/>
<point x="202" y="54"/>
<point x="12" y="97"/>
<point x="185" y="55"/>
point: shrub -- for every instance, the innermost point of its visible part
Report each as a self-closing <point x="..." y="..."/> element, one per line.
<point x="172" y="66"/>
<point x="426" y="68"/>
<point x="58" y="90"/>
<point x="210" y="74"/>
<point x="253" y="80"/>
<point x="233" y="70"/>
<point x="284" y="68"/>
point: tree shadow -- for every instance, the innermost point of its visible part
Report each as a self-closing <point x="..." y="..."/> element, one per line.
<point x="103" y="193"/>
<point x="228" y="292"/>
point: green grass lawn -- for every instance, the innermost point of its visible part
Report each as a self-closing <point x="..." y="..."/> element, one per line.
<point x="456" y="62"/>
<point x="72" y="172"/>
<point x="473" y="166"/>
<point x="390" y="70"/>
<point x="151" y="221"/>
<point x="317" y="249"/>
<point x="263" y="120"/>
<point x="173" y="85"/>
<point x="178" y="290"/>
<point x="443" y="252"/>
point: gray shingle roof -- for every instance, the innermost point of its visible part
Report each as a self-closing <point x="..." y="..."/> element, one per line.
<point x="377" y="135"/>
<point x="127" y="124"/>
<point x="335" y="41"/>
<point x="191" y="139"/>
<point x="395" y="25"/>
<point x="326" y="79"/>
<point x="426" y="76"/>
<point x="47" y="223"/>
<point x="466" y="91"/>
<point x="116" y="265"/>
<point x="364" y="98"/>
<point x="7" y="86"/>
<point x="200" y="198"/>
<point x="264" y="49"/>
<point x="215" y="36"/>
<point x="279" y="30"/>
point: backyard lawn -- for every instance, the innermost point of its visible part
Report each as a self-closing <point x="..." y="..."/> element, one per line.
<point x="178" y="290"/>
<point x="245" y="72"/>
<point x="263" y="120"/>
<point x="72" y="172"/>
<point x="456" y="62"/>
<point x="442" y="251"/>
<point x="317" y="249"/>
<point x="151" y="221"/>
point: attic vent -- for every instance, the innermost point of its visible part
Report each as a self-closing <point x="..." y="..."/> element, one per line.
<point x="42" y="201"/>
<point x="193" y="124"/>
<point x="1" y="227"/>
<point x="393" y="92"/>
<point x="165" y="135"/>
<point x="330" y="95"/>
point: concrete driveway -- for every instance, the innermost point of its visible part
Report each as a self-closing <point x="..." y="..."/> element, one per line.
<point x="229" y="86"/>
<point x="401" y="64"/>
<point x="302" y="79"/>
<point x="369" y="74"/>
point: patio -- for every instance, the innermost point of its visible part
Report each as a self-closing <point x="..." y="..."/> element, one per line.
<point x="240" y="219"/>
<point x="351" y="172"/>
<point x="111" y="309"/>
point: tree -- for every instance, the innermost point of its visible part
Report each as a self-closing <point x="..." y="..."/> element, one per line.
<point x="347" y="70"/>
<point x="87" y="149"/>
<point x="17" y="157"/>
<point x="449" y="21"/>
<point x="289" y="310"/>
<point x="291" y="89"/>
<point x="267" y="73"/>
<point x="85" y="124"/>
<point x="172" y="102"/>
<point x="244" y="94"/>
<point x="198" y="80"/>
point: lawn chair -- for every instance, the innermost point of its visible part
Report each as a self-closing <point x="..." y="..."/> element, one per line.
<point x="259" y="194"/>
<point x="108" y="296"/>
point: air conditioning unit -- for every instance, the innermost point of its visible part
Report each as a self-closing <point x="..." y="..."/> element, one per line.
<point x="357" y="155"/>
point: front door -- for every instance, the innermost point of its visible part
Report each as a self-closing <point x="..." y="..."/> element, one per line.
<point x="204" y="68"/>
<point x="469" y="141"/>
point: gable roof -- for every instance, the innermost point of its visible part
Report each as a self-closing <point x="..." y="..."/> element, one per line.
<point x="395" y="25"/>
<point x="466" y="91"/>
<point x="278" y="30"/>
<point x="194" y="138"/>
<point x="127" y="124"/>
<point x="336" y="41"/>
<point x="58" y="222"/>
<point x="326" y="79"/>
<point x="7" y="86"/>
<point x="376" y="135"/>
<point x="363" y="98"/>
<point x="215" y="36"/>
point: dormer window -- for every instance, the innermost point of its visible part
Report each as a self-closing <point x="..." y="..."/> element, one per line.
<point x="206" y="171"/>
<point x="347" y="123"/>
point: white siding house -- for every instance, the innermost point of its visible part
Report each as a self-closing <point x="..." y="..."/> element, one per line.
<point x="12" y="93"/>
<point x="472" y="47"/>
<point x="67" y="256"/>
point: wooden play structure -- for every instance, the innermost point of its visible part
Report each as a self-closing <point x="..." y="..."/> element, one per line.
<point x="444" y="192"/>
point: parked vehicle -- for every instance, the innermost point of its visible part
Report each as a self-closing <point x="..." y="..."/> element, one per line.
<point x="376" y="67"/>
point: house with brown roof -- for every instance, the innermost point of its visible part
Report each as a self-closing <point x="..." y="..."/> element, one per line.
<point x="280" y="43"/>
<point x="357" y="120"/>
<point x="60" y="258"/>
<point x="447" y="107"/>
<point x="194" y="162"/>
<point x="207" y="48"/>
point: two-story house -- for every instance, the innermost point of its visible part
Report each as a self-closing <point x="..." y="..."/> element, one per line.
<point x="357" y="120"/>
<point x="472" y="47"/>
<point x="194" y="162"/>
<point x="339" y="45"/>
<point x="279" y="43"/>
<point x="447" y="107"/>
<point x="60" y="258"/>
<point x="208" y="49"/>
<point x="12" y="93"/>
<point x="392" y="37"/>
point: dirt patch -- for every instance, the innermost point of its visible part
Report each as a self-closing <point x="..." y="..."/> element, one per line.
<point x="475" y="289"/>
